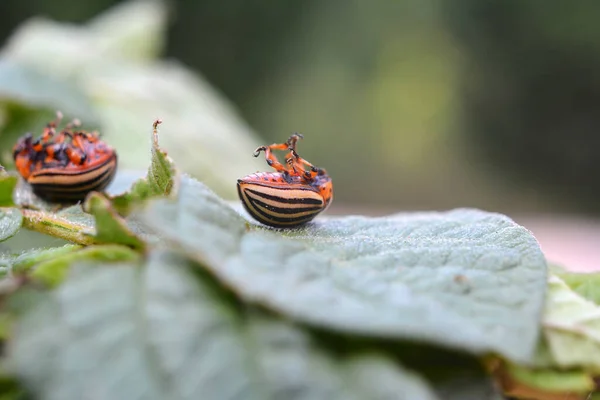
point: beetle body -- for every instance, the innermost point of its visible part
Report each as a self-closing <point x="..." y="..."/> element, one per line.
<point x="73" y="183"/>
<point x="64" y="167"/>
<point x="290" y="197"/>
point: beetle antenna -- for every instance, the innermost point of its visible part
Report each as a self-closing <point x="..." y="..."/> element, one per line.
<point x="56" y="121"/>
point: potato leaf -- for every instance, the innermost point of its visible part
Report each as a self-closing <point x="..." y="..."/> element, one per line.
<point x="10" y="222"/>
<point x="7" y="186"/>
<point x="586" y="285"/>
<point x="109" y="226"/>
<point x="466" y="278"/>
<point x="23" y="262"/>
<point x="571" y="327"/>
<point x="54" y="271"/>
<point x="162" y="179"/>
<point x="162" y="331"/>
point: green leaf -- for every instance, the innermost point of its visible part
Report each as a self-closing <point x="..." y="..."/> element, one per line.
<point x="10" y="222"/>
<point x="161" y="180"/>
<point x="467" y="279"/>
<point x="131" y="30"/>
<point x="6" y="321"/>
<point x="163" y="332"/>
<point x="453" y="374"/>
<point x="206" y="135"/>
<point x="26" y="240"/>
<point x="24" y="261"/>
<point x="110" y="227"/>
<point x="27" y="85"/>
<point x="571" y="328"/>
<point x="7" y="186"/>
<point x="54" y="271"/>
<point x="519" y="382"/>
<point x="568" y="354"/>
<point x="9" y="388"/>
<point x="586" y="285"/>
<point x="70" y="224"/>
<point x="553" y="380"/>
<point x="75" y="225"/>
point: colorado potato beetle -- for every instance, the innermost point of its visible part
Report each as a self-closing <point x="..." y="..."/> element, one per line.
<point x="290" y="197"/>
<point x="64" y="167"/>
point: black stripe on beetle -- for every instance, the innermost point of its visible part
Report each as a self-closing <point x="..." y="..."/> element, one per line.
<point x="73" y="186"/>
<point x="288" y="210"/>
<point x="292" y="200"/>
<point x="281" y="211"/>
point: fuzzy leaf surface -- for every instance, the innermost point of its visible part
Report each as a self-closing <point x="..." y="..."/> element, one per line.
<point x="10" y="222"/>
<point x="110" y="227"/>
<point x="163" y="331"/>
<point x="467" y="279"/>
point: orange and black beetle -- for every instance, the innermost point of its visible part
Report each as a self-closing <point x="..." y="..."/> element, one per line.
<point x="64" y="167"/>
<point x="290" y="197"/>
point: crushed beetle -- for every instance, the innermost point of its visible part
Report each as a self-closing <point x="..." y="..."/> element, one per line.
<point x="64" y="167"/>
<point x="290" y="197"/>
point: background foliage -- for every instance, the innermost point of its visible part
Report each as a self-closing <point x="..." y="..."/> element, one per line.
<point x="446" y="103"/>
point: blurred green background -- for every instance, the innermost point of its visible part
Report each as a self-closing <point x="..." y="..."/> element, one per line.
<point x="422" y="104"/>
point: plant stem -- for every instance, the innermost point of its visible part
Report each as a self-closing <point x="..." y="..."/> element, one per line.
<point x="42" y="222"/>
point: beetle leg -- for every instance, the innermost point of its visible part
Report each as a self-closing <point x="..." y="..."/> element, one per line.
<point x="296" y="162"/>
<point x="293" y="166"/>
<point x="67" y="131"/>
<point x="51" y="152"/>
<point x="73" y="124"/>
<point x="50" y="129"/>
<point x="273" y="161"/>
<point x="92" y="137"/>
<point x="299" y="164"/>
<point x="271" y="158"/>
<point x="76" y="156"/>
<point x="291" y="142"/>
<point x="48" y="134"/>
<point x="302" y="161"/>
<point x="78" y="141"/>
<point x="56" y="154"/>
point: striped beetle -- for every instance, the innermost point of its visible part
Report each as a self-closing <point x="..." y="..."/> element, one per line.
<point x="290" y="197"/>
<point x="65" y="167"/>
